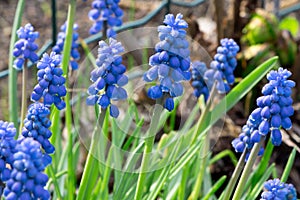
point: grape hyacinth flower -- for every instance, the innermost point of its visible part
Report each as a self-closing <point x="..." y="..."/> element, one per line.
<point x="249" y="135"/>
<point x="105" y="12"/>
<point x="51" y="82"/>
<point x="108" y="78"/>
<point x="275" y="189"/>
<point x="273" y="112"/>
<point x="223" y="65"/>
<point x="27" y="180"/>
<point x="25" y="47"/>
<point x="7" y="148"/>
<point x="276" y="104"/>
<point x="59" y="46"/>
<point x="36" y="125"/>
<point x="198" y="83"/>
<point x="171" y="62"/>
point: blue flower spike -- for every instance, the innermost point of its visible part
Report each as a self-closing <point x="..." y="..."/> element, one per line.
<point x="223" y="65"/>
<point x="25" y="47"/>
<point x="198" y="82"/>
<point x="276" y="104"/>
<point x="59" y="46"/>
<point x="51" y="82"/>
<point x="27" y="180"/>
<point x="36" y="126"/>
<point x="7" y="148"/>
<point x="107" y="11"/>
<point x="171" y="62"/>
<point x="275" y="190"/>
<point x="108" y="78"/>
<point x="273" y="112"/>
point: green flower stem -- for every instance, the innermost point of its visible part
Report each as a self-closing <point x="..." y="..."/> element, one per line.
<point x="237" y="171"/>
<point x="90" y="158"/>
<point x="206" y="110"/>
<point x="247" y="170"/>
<point x="65" y="65"/>
<point x="55" y="183"/>
<point x="104" y="184"/>
<point x="205" y="149"/>
<point x="181" y="190"/>
<point x="198" y="185"/>
<point x="24" y="96"/>
<point x="12" y="76"/>
<point x="149" y="141"/>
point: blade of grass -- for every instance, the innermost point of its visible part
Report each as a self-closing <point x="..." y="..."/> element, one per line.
<point x="289" y="165"/>
<point x="223" y="154"/>
<point x="259" y="184"/>
<point x="65" y="64"/>
<point x="215" y="188"/>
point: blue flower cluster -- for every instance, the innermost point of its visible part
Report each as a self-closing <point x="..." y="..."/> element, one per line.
<point x="171" y="62"/>
<point x="105" y="12"/>
<point x="275" y="189"/>
<point x="25" y="47"/>
<point x="108" y="78"/>
<point x="273" y="112"/>
<point x="198" y="83"/>
<point x="7" y="148"/>
<point x="249" y="135"/>
<point x="36" y="125"/>
<point x="276" y="104"/>
<point x="51" y="81"/>
<point x="58" y="48"/>
<point x="223" y="65"/>
<point x="27" y="180"/>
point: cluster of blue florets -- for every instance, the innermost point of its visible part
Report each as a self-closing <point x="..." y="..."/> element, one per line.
<point x="36" y="125"/>
<point x="275" y="189"/>
<point x="198" y="82"/>
<point x="108" y="78"/>
<point x="273" y="112"/>
<point x="276" y="104"/>
<point x="7" y="148"/>
<point x="171" y="62"/>
<point x="250" y="134"/>
<point x="25" y="47"/>
<point x="51" y="81"/>
<point x="58" y="48"/>
<point x="223" y="65"/>
<point x="27" y="180"/>
<point x="105" y="11"/>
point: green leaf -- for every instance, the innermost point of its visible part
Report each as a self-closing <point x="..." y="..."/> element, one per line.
<point x="289" y="165"/>
<point x="215" y="188"/>
<point x="222" y="154"/>
<point x="226" y="104"/>
<point x="260" y="183"/>
<point x="291" y="24"/>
